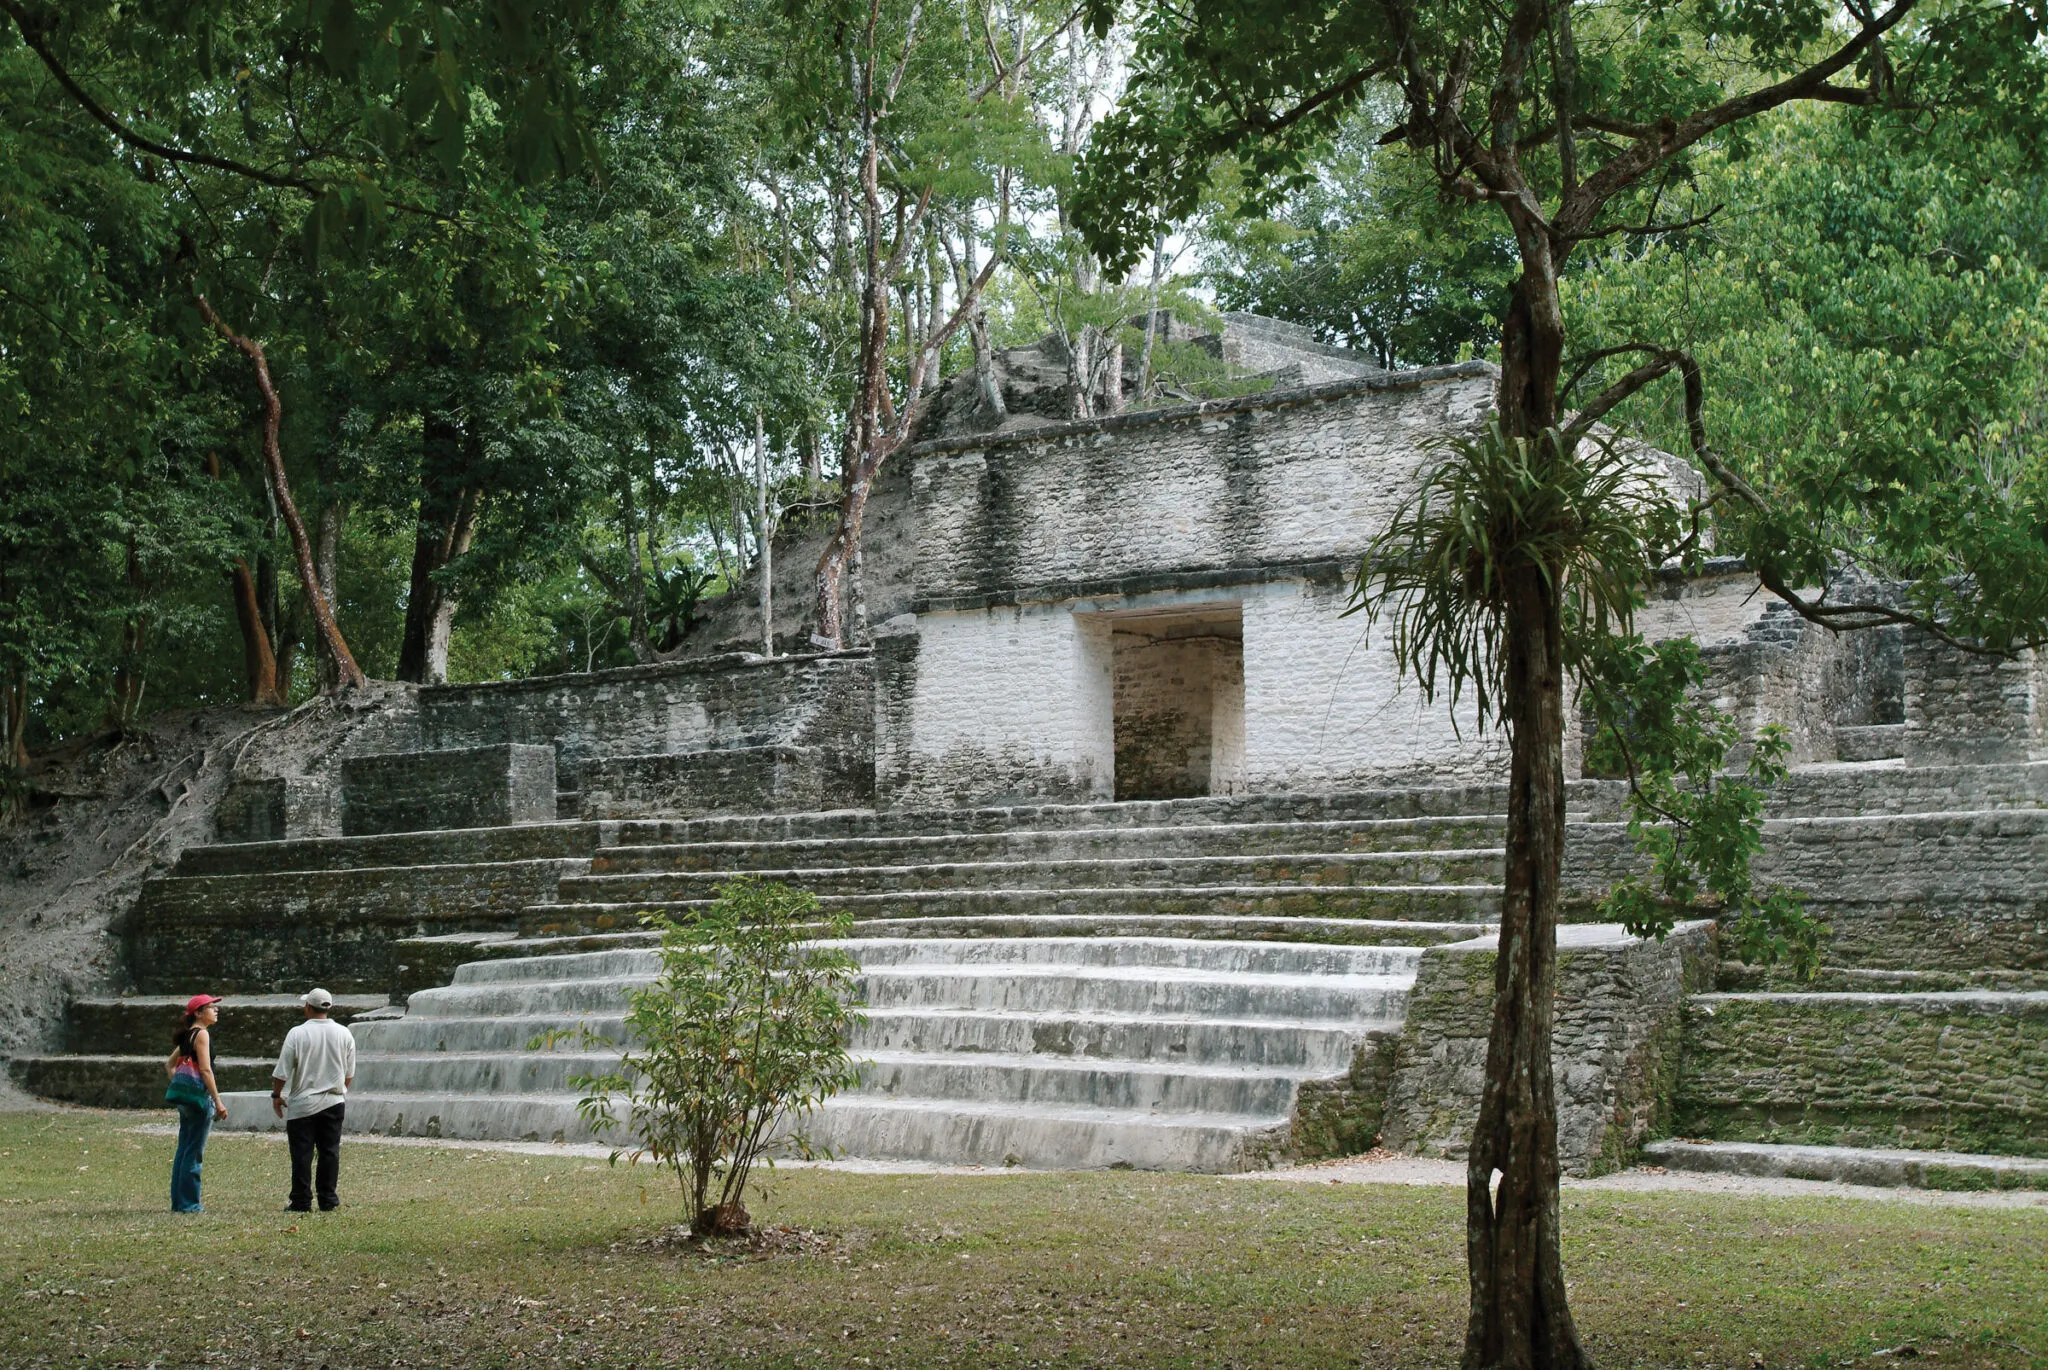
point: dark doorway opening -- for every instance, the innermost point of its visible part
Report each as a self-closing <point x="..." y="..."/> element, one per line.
<point x="1179" y="701"/>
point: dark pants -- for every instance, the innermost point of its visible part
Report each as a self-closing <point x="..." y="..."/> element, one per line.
<point x="194" y="1122"/>
<point x="319" y="1132"/>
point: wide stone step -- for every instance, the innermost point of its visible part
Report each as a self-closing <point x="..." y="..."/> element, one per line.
<point x="1599" y="799"/>
<point x="1301" y="1046"/>
<point x="482" y="1072"/>
<point x="1189" y="839"/>
<point x="1134" y="990"/>
<point x="1880" y="1166"/>
<point x="504" y="1117"/>
<point x="1473" y="903"/>
<point x="1332" y="870"/>
<point x="109" y="1081"/>
<point x="418" y="1034"/>
<point x="1111" y="989"/>
<point x="1959" y="1070"/>
<point x="1170" y="1088"/>
<point x="448" y="846"/>
<point x="989" y="1134"/>
<point x="1044" y="1137"/>
<point x="250" y="1024"/>
<point x="1291" y="958"/>
<point x="430" y="962"/>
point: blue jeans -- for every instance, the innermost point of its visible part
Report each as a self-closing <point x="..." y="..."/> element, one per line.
<point x="194" y="1122"/>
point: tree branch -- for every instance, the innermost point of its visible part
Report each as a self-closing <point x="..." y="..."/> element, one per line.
<point x="1669" y="136"/>
<point x="1647" y="228"/>
<point x="1003" y="72"/>
<point x="1834" y="617"/>
<point x="32" y="34"/>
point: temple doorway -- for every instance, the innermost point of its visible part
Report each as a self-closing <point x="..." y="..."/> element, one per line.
<point x="1179" y="701"/>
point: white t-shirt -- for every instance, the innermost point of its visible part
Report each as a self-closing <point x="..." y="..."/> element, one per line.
<point x="319" y="1056"/>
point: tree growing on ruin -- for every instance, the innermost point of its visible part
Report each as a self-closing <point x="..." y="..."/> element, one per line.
<point x="1569" y="121"/>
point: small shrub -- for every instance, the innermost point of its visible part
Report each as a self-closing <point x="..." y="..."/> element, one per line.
<point x="742" y="1035"/>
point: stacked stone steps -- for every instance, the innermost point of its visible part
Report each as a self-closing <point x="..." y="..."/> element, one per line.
<point x="113" y="1049"/>
<point x="1887" y="1167"/>
<point x="1431" y="904"/>
<point x="1381" y="856"/>
<point x="1927" y="1025"/>
<point x="1400" y="869"/>
<point x="1154" y="1052"/>
<point x="430" y="962"/>
<point x="441" y="847"/>
<point x="249" y="916"/>
<point x="1956" y="1070"/>
<point x="632" y="854"/>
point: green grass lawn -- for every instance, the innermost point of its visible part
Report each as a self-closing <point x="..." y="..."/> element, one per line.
<point x="448" y="1257"/>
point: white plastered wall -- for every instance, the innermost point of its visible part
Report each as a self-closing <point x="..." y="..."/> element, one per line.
<point x="1325" y="707"/>
<point x="1012" y="702"/>
<point x="1020" y="701"/>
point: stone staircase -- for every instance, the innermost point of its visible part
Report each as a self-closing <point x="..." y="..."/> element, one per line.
<point x="1048" y="1052"/>
<point x="1196" y="983"/>
<point x="1148" y="985"/>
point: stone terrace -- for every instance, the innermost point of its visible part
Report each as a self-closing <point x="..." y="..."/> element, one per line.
<point x="1205" y="983"/>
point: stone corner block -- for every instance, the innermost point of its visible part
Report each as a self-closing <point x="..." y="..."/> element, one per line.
<point x="470" y="787"/>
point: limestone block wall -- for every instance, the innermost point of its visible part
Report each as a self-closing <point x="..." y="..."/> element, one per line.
<point x="1901" y="789"/>
<point x="1326" y="708"/>
<point x="1962" y="708"/>
<point x="273" y="808"/>
<point x="996" y="703"/>
<point x="1018" y="702"/>
<point x="728" y="780"/>
<point x="1961" y="1071"/>
<point x="672" y="707"/>
<point x="468" y="787"/>
<point x="1953" y="895"/>
<point x="327" y="927"/>
<point x="1228" y="484"/>
<point x="1615" y="1045"/>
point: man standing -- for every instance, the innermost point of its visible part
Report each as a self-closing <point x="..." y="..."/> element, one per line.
<point x="307" y="1088"/>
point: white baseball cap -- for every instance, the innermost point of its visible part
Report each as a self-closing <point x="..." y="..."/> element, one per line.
<point x="317" y="998"/>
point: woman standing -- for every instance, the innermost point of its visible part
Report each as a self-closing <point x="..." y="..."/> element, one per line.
<point x="198" y="1099"/>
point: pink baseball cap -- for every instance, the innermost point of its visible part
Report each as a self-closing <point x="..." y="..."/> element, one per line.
<point x="200" y="1001"/>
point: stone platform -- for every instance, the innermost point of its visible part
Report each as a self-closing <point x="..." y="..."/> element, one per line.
<point x="1029" y="964"/>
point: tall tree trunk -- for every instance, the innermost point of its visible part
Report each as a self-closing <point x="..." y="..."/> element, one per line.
<point x="327" y="565"/>
<point x="14" y="720"/>
<point x="764" y="538"/>
<point x="636" y="572"/>
<point x="351" y="676"/>
<point x="281" y="620"/>
<point x="1520" y="1318"/>
<point x="126" y="700"/>
<point x="861" y="452"/>
<point x="447" y="522"/>
<point x="259" y="664"/>
<point x="1113" y="378"/>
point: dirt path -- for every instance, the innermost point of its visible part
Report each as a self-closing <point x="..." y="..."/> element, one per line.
<point x="1377" y="1168"/>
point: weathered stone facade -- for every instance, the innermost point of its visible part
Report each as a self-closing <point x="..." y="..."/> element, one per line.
<point x="1962" y="1071"/>
<point x="1154" y="858"/>
<point x="1616" y="1049"/>
<point x="465" y="787"/>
